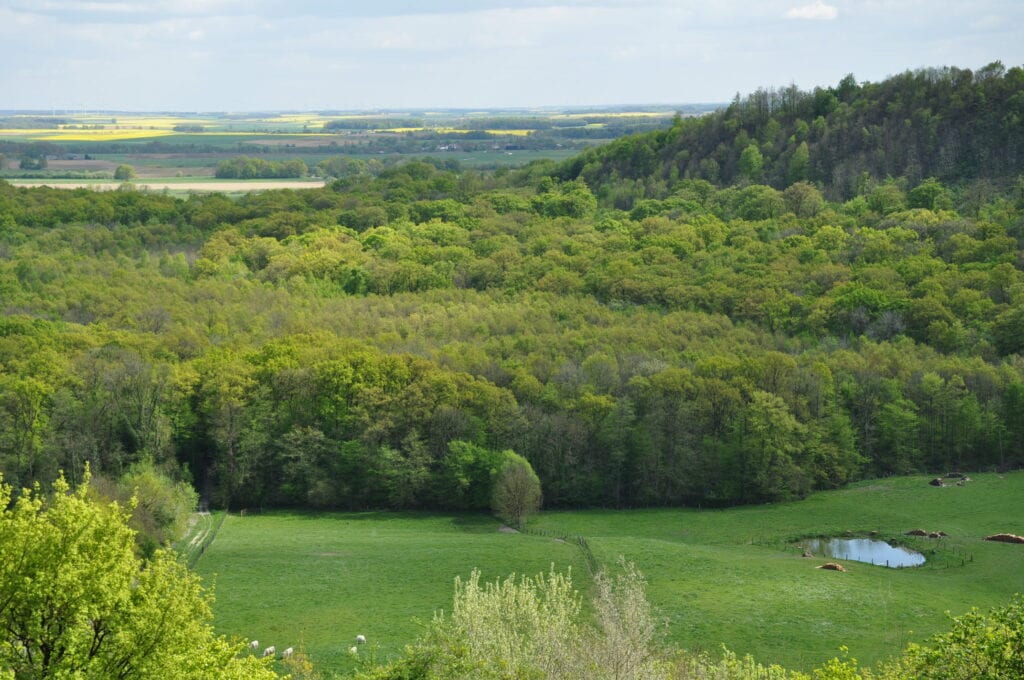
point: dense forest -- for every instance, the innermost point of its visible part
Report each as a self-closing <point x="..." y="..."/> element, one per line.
<point x="951" y="124"/>
<point x="381" y="342"/>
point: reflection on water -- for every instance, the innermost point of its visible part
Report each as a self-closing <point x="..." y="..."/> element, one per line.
<point x="864" y="550"/>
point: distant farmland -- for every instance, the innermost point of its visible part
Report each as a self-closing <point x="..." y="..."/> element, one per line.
<point x="163" y="147"/>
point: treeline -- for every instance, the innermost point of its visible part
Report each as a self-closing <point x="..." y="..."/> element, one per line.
<point x="377" y="342"/>
<point x="371" y="123"/>
<point x="245" y="167"/>
<point x="23" y="122"/>
<point x="949" y="123"/>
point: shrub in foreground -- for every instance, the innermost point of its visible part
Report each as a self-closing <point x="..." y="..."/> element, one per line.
<point x="77" y="602"/>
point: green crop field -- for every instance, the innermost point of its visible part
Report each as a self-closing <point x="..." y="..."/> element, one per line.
<point x="731" y="577"/>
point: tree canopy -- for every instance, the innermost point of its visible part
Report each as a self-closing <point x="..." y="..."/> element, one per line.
<point x="76" y="601"/>
<point x="947" y="123"/>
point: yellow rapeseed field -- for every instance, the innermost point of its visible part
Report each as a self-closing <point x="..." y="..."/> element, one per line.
<point x="302" y="118"/>
<point x="456" y="131"/>
<point x="96" y="135"/>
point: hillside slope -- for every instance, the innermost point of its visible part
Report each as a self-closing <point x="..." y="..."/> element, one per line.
<point x="948" y="123"/>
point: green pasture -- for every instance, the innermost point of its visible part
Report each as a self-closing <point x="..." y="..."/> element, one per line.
<point x="736" y="577"/>
<point x="319" y="580"/>
<point x="732" y="577"/>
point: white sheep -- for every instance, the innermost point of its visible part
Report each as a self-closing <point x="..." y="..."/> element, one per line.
<point x="287" y="654"/>
<point x="254" y="645"/>
<point x="361" y="639"/>
<point x="269" y="651"/>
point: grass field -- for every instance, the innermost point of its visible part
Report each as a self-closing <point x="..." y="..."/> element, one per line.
<point x="319" y="580"/>
<point x="729" y="577"/>
<point x="736" y="577"/>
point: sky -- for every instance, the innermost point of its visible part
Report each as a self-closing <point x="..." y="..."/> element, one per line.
<point x="268" y="55"/>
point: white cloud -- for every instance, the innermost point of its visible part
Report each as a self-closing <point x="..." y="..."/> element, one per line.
<point x="214" y="54"/>
<point x="816" y="10"/>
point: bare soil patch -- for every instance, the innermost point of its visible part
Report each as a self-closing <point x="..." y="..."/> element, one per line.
<point x="82" y="165"/>
<point x="1005" y="538"/>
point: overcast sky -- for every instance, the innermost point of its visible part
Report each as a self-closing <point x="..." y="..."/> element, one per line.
<point x="246" y="55"/>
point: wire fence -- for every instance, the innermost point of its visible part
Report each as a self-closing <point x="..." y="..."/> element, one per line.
<point x="195" y="548"/>
<point x="579" y="541"/>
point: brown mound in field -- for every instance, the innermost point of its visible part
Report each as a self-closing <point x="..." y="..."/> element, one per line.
<point x="831" y="565"/>
<point x="936" y="482"/>
<point x="916" y="532"/>
<point x="807" y="553"/>
<point x="1005" y="538"/>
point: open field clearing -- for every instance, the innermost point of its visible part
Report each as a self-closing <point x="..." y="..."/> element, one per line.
<point x="320" y="580"/>
<point x="735" y="576"/>
<point x="732" y="577"/>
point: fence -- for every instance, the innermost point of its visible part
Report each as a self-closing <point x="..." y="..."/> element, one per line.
<point x="579" y="541"/>
<point x="194" y="550"/>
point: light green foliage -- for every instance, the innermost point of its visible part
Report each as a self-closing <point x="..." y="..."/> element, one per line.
<point x="76" y="602"/>
<point x="299" y="666"/>
<point x="161" y="506"/>
<point x="931" y="195"/>
<point x="572" y="199"/>
<point x="124" y="173"/>
<point x="887" y="198"/>
<point x="534" y="628"/>
<point x="729" y="666"/>
<point x="627" y="644"/>
<point x="342" y="347"/>
<point x="751" y="163"/>
<point x="244" y="167"/>
<point x="517" y="492"/>
<point x="979" y="645"/>
<point x="803" y="199"/>
<point x="759" y="202"/>
<point x="798" y="169"/>
<point x="23" y="419"/>
<point x="525" y="625"/>
<point x="772" y="450"/>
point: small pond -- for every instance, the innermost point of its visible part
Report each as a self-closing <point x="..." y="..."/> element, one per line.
<point x="864" y="550"/>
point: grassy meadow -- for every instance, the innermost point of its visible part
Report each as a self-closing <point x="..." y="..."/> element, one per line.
<point x="321" y="579"/>
<point x="737" y="576"/>
<point x="733" y="577"/>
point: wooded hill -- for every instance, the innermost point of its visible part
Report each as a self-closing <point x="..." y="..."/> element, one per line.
<point x="380" y="342"/>
<point x="952" y="124"/>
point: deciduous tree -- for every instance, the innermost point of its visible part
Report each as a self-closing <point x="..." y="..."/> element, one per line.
<point x="76" y="601"/>
<point x="517" y="493"/>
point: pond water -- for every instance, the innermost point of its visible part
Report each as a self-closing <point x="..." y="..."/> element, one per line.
<point x="864" y="550"/>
